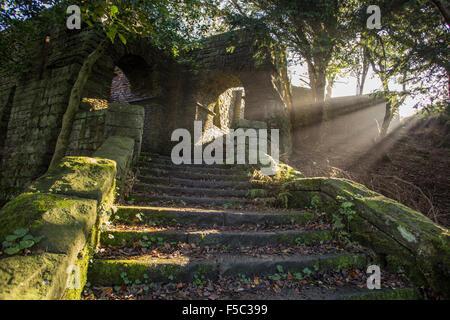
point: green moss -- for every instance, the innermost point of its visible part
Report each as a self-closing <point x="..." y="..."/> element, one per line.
<point x="144" y="215"/>
<point x="33" y="277"/>
<point x="83" y="264"/>
<point x="33" y="211"/>
<point x="109" y="272"/>
<point x="78" y="176"/>
<point x="344" y="262"/>
<point x="305" y="237"/>
<point x="170" y="271"/>
<point x="304" y="184"/>
<point x="345" y="188"/>
<point x="128" y="238"/>
<point x="393" y="294"/>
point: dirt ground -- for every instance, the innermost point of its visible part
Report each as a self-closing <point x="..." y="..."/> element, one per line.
<point x="411" y="165"/>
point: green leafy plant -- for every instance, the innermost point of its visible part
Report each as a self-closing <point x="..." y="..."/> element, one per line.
<point x="199" y="278"/>
<point x="19" y="241"/>
<point x="307" y="271"/>
<point x="315" y="202"/>
<point x="242" y="278"/>
<point x="342" y="218"/>
<point x="153" y="241"/>
<point x="298" y="276"/>
<point x="283" y="197"/>
<point x="257" y="193"/>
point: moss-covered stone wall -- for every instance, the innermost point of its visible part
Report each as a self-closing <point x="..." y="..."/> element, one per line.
<point x="61" y="213"/>
<point x="61" y="208"/>
<point x="404" y="239"/>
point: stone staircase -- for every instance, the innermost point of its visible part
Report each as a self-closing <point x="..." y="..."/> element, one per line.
<point x="194" y="232"/>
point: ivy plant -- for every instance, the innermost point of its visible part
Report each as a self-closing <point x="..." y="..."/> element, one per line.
<point x="18" y="241"/>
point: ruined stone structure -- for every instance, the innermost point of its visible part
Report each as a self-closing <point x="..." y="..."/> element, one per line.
<point x="135" y="97"/>
<point x="173" y="95"/>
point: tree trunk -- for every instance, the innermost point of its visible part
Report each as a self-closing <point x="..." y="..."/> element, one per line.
<point x="386" y="121"/>
<point x="365" y="70"/>
<point x="330" y="85"/>
<point x="317" y="81"/>
<point x="74" y="103"/>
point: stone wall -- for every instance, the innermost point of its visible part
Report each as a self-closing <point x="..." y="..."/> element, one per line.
<point x="37" y="105"/>
<point x="33" y="111"/>
<point x="66" y="208"/>
<point x="92" y="128"/>
<point x="32" y="107"/>
<point x="87" y="133"/>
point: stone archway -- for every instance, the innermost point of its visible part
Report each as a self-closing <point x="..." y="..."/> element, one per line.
<point x="258" y="69"/>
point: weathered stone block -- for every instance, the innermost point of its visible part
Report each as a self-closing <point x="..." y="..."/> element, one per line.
<point x="120" y="149"/>
<point x="78" y="176"/>
<point x="34" y="277"/>
<point x="64" y="223"/>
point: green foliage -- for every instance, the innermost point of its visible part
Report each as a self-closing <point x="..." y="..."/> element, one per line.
<point x="257" y="193"/>
<point x="315" y="202"/>
<point x="199" y="278"/>
<point x="311" y="29"/>
<point x="153" y="241"/>
<point x="342" y="218"/>
<point x="172" y="26"/>
<point x="283" y="197"/>
<point x="242" y="278"/>
<point x="19" y="241"/>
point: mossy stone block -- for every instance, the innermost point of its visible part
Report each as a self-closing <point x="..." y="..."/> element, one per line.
<point x="345" y="188"/>
<point x="64" y="223"/>
<point x="33" y="277"/>
<point x="82" y="177"/>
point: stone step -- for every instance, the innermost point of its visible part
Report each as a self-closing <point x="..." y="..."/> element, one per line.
<point x="203" y="217"/>
<point x="214" y="237"/>
<point x="158" y="162"/>
<point x="148" y="199"/>
<point x="317" y="292"/>
<point x="200" y="192"/>
<point x="195" y="169"/>
<point x="157" y="158"/>
<point x="185" y="269"/>
<point x="196" y="183"/>
<point x="187" y="174"/>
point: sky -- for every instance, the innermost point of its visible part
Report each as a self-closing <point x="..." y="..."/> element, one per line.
<point x="347" y="87"/>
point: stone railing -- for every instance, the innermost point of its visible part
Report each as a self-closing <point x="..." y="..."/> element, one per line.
<point x="403" y="238"/>
<point x="54" y="225"/>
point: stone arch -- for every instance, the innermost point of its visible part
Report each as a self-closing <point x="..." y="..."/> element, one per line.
<point x="259" y="69"/>
<point x="218" y="103"/>
<point x="143" y="74"/>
